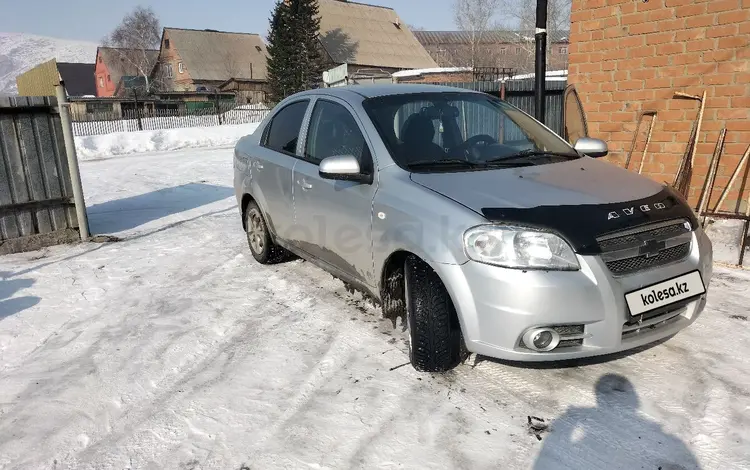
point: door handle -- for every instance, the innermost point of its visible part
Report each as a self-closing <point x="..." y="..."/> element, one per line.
<point x="258" y="165"/>
<point x="305" y="185"/>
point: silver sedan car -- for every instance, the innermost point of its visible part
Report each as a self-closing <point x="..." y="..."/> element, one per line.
<point x="473" y="222"/>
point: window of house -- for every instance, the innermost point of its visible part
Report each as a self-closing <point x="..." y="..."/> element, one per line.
<point x="180" y="68"/>
<point x="563" y="50"/>
<point x="100" y="59"/>
<point x="518" y="50"/>
<point x="168" y="70"/>
<point x="503" y="50"/>
<point x="333" y="132"/>
<point x="98" y="108"/>
<point x="283" y="131"/>
<point x="166" y="44"/>
<point x="101" y="82"/>
<point x="109" y="78"/>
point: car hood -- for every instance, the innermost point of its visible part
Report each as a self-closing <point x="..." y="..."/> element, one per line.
<point x="583" y="181"/>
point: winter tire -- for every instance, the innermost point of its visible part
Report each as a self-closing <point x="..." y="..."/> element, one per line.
<point x="264" y="250"/>
<point x="434" y="332"/>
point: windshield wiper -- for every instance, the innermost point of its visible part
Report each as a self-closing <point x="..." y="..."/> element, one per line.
<point x="443" y="162"/>
<point x="532" y="153"/>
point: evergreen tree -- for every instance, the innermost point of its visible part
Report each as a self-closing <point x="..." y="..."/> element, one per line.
<point x="295" y="62"/>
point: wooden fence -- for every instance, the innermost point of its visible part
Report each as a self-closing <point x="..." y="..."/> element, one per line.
<point x="36" y="196"/>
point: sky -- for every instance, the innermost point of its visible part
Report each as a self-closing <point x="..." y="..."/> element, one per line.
<point x="91" y="20"/>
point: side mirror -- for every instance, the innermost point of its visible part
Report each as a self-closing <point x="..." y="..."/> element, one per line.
<point x="344" y="168"/>
<point x="592" y="147"/>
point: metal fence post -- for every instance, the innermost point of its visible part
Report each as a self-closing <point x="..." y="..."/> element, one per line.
<point x="70" y="150"/>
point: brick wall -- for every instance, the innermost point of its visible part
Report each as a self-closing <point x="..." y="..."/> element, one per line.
<point x="632" y="55"/>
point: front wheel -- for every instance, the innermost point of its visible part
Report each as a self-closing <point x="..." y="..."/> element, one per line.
<point x="434" y="332"/>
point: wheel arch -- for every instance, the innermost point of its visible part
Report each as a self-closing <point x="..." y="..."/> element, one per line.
<point x="392" y="284"/>
<point x="246" y="200"/>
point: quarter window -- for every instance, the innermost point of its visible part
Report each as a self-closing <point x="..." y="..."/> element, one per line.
<point x="283" y="131"/>
<point x="334" y="132"/>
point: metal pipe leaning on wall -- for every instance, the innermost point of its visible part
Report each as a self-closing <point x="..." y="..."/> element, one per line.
<point x="641" y="115"/>
<point x="708" y="186"/>
<point x="736" y="173"/>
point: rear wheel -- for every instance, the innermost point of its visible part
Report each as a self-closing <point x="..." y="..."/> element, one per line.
<point x="264" y="250"/>
<point x="434" y="332"/>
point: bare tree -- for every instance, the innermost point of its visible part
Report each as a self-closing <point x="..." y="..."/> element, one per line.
<point x="520" y="15"/>
<point x="135" y="37"/>
<point x="475" y="17"/>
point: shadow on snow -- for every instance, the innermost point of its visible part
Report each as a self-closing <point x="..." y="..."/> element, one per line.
<point x="124" y="214"/>
<point x="612" y="434"/>
<point x="10" y="305"/>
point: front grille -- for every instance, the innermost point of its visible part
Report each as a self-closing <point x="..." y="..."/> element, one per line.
<point x="664" y="317"/>
<point x="569" y="343"/>
<point x="668" y="231"/>
<point x="639" y="263"/>
<point x="568" y="330"/>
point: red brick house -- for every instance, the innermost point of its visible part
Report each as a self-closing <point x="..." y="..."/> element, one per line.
<point x="112" y="64"/>
<point x="204" y="60"/>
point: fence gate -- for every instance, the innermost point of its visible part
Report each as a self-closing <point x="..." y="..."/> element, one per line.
<point x="36" y="196"/>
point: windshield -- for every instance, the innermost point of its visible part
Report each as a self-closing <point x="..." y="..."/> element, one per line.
<point x="427" y="132"/>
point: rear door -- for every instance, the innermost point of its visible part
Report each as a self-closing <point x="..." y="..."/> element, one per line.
<point x="272" y="167"/>
<point x="333" y="219"/>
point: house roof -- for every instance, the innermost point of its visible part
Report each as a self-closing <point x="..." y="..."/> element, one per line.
<point x="78" y="78"/>
<point x="118" y="63"/>
<point x="130" y="82"/>
<point x="219" y="55"/>
<point x="360" y="34"/>
<point x="488" y="37"/>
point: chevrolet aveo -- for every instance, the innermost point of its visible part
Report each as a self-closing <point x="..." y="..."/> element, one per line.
<point x="480" y="227"/>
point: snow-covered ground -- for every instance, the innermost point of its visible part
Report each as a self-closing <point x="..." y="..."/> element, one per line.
<point x="174" y="349"/>
<point x="123" y="143"/>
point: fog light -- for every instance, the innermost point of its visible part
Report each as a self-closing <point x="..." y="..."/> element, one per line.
<point x="541" y="339"/>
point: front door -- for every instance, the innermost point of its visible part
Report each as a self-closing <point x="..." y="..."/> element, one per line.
<point x="333" y="219"/>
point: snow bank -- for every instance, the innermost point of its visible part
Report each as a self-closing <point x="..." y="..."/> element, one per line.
<point x="418" y="72"/>
<point x="123" y="143"/>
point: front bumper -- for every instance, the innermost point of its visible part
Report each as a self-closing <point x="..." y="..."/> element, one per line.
<point x="496" y="306"/>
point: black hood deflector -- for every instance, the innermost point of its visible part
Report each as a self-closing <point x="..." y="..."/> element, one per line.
<point x="581" y="225"/>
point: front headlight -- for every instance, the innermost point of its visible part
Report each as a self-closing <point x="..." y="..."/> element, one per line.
<point x="519" y="248"/>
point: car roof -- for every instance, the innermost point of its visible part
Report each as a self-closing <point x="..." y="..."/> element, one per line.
<point x="374" y="91"/>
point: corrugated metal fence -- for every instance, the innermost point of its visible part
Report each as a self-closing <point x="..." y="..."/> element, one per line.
<point x="35" y="186"/>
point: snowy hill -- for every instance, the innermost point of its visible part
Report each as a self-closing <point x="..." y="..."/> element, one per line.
<point x="20" y="52"/>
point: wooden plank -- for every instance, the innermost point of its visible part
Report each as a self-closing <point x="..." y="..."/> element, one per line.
<point x="50" y="169"/>
<point x="35" y="179"/>
<point x="17" y="174"/>
<point x="32" y="205"/>
<point x="8" y="224"/>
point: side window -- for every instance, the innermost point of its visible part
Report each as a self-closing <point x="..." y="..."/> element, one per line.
<point x="283" y="131"/>
<point x="333" y="132"/>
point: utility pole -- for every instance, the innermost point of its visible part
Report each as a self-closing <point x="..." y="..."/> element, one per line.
<point x="540" y="75"/>
<point x="70" y="151"/>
